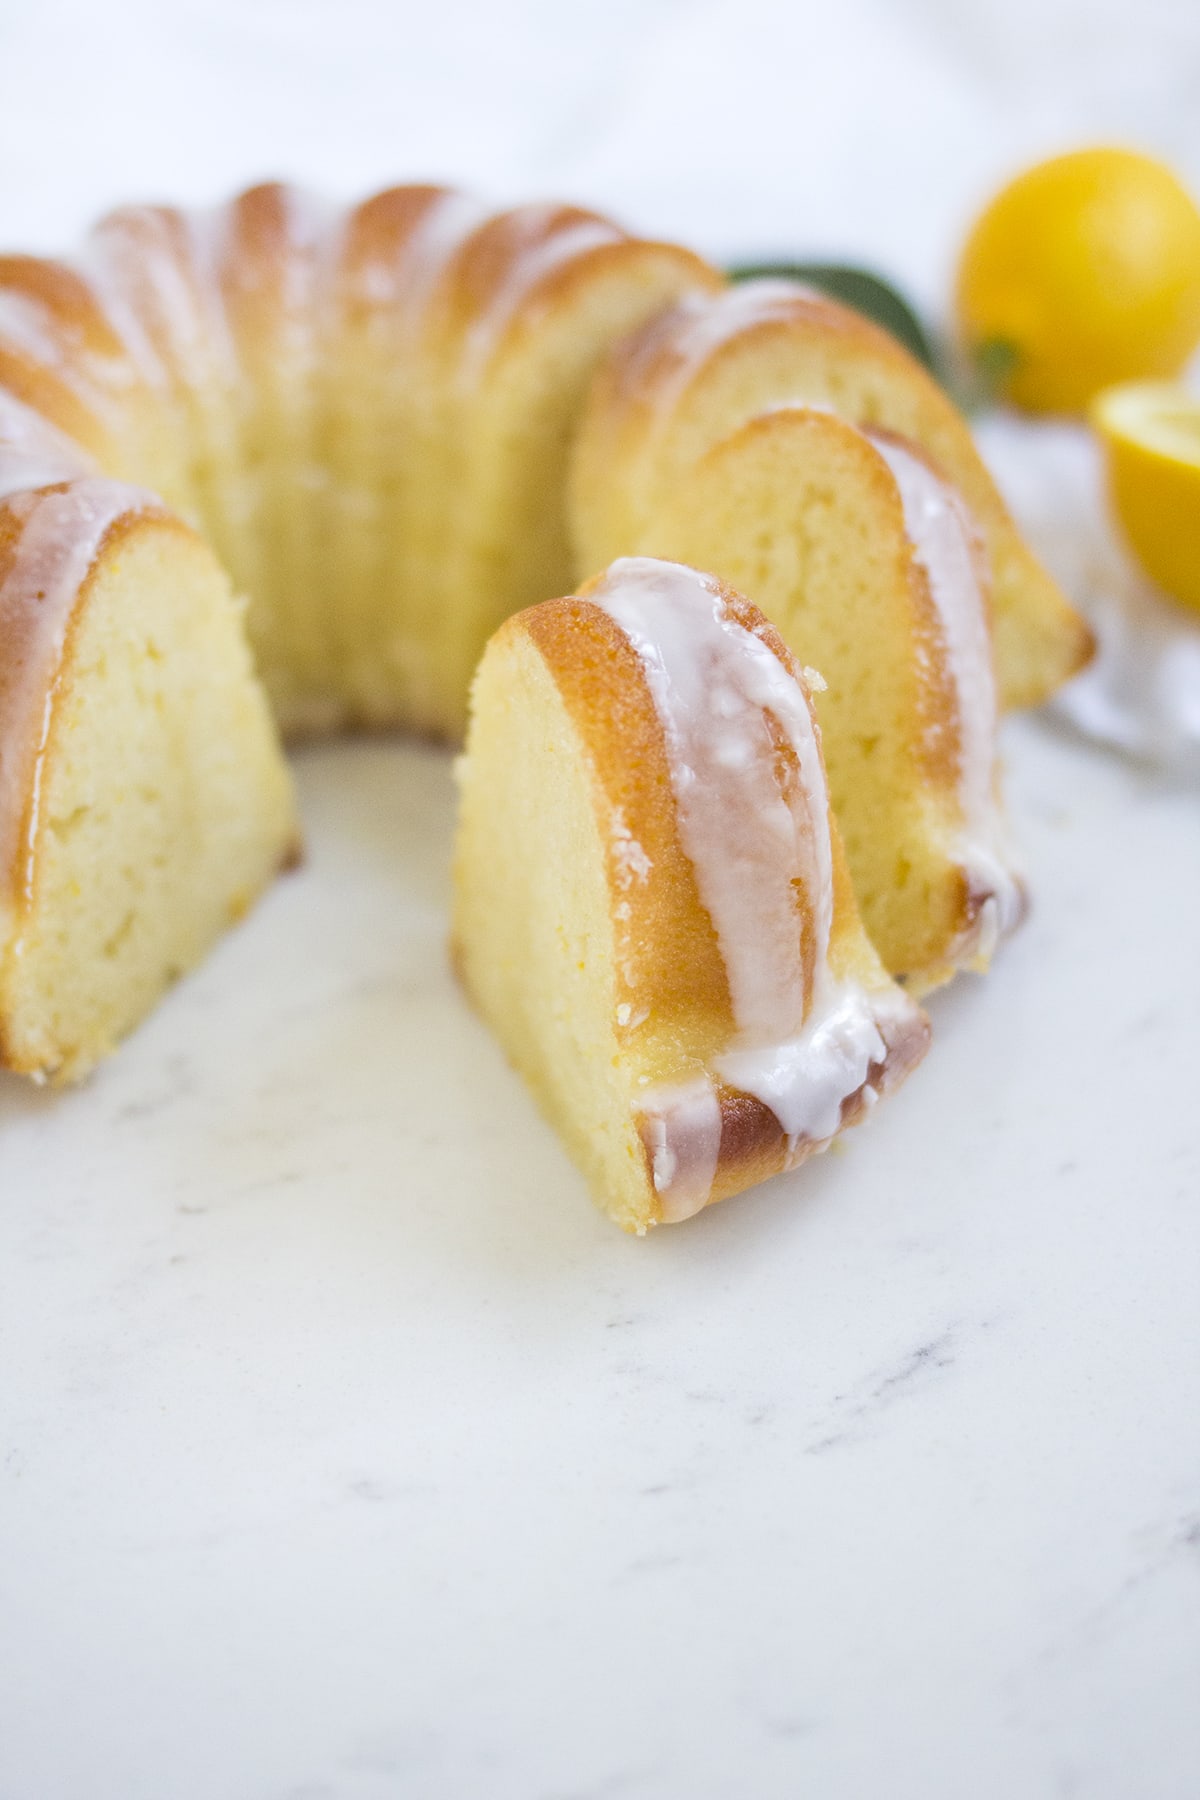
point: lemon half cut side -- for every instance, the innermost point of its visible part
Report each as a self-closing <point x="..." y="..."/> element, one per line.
<point x="1151" y="434"/>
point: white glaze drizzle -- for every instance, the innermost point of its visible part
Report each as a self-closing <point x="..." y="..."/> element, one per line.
<point x="712" y="682"/>
<point x="134" y="256"/>
<point x="33" y="452"/>
<point x="544" y="251"/>
<point x="943" y="540"/>
<point x="804" y="1043"/>
<point x="701" y="323"/>
<point x="315" y="231"/>
<point x="32" y="330"/>
<point x="144" y="362"/>
<point x="208" y="232"/>
<point x="706" y="321"/>
<point x="408" y="281"/>
<point x="681" y="1128"/>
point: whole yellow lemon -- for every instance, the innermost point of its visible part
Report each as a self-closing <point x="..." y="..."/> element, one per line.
<point x="1082" y="272"/>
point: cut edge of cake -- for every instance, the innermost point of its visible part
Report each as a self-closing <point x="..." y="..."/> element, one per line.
<point x="146" y="803"/>
<point x="867" y="563"/>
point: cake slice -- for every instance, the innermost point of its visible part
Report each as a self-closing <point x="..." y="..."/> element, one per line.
<point x="652" y="909"/>
<point x="696" y="372"/>
<point x="144" y="802"/>
<point x="866" y="562"/>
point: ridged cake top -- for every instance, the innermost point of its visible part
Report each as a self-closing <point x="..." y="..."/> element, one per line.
<point x="703" y="322"/>
<point x="752" y="809"/>
<point x="148" y="354"/>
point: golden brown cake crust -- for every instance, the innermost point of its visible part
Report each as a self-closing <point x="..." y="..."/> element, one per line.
<point x="42" y="589"/>
<point x="603" y="685"/>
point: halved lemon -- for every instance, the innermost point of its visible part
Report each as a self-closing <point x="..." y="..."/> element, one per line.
<point x="1151" y="431"/>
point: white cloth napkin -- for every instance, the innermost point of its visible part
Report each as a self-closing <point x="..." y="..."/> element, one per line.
<point x="1141" y="695"/>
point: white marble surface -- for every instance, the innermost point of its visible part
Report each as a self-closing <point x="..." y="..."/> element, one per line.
<point x="345" y="1453"/>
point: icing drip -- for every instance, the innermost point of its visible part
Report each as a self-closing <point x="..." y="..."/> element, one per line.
<point x="144" y="365"/>
<point x="683" y="1138"/>
<point x="158" y="274"/>
<point x="710" y="320"/>
<point x="943" y="542"/>
<point x="409" y="280"/>
<point x="33" y="453"/>
<point x="158" y="269"/>
<point x="754" y="823"/>
<point x="61" y="532"/>
<point x="806" y="1079"/>
<point x="702" y="323"/>
<point x="203" y="317"/>
<point x="31" y="329"/>
<point x="748" y="839"/>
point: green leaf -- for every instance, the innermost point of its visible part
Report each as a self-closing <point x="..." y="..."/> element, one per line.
<point x="992" y="362"/>
<point x="866" y="292"/>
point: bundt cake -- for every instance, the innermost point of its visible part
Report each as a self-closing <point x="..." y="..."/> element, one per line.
<point x="698" y="370"/>
<point x="383" y="423"/>
<point x="366" y="414"/>
<point x="144" y="800"/>
<point x="652" y="909"/>
<point x="866" y="564"/>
